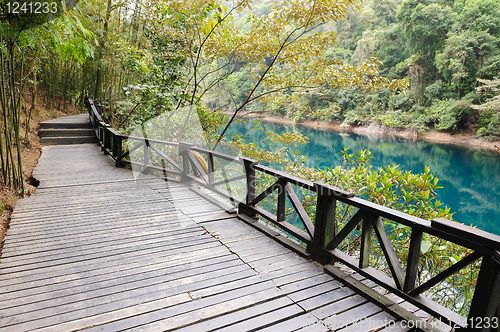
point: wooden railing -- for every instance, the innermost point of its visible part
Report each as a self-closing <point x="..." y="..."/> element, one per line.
<point x="322" y="236"/>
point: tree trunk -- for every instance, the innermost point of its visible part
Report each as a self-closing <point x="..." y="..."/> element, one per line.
<point x="102" y="51"/>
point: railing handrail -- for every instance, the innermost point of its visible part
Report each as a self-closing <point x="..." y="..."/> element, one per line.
<point x="319" y="247"/>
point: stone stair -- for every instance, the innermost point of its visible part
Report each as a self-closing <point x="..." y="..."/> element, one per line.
<point x="75" y="129"/>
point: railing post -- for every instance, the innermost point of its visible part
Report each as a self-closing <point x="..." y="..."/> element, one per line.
<point x="107" y="138"/>
<point x="184" y="147"/>
<point x="95" y="126"/>
<point x="249" y="168"/>
<point x="210" y="168"/>
<point x="486" y="295"/>
<point x="325" y="226"/>
<point x="413" y="259"/>
<point x="145" y="145"/>
<point x="280" y="209"/>
<point x="100" y="136"/>
<point x="117" y="150"/>
<point x="366" y="241"/>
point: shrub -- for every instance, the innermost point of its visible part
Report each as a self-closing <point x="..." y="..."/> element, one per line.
<point x="450" y="114"/>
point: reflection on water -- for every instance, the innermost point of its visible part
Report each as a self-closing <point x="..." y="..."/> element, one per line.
<point x="470" y="179"/>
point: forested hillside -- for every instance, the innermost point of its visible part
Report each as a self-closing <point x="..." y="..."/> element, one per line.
<point x="448" y="50"/>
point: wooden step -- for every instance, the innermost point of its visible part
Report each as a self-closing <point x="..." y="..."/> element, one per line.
<point x="68" y="140"/>
<point x="65" y="132"/>
<point x="67" y="122"/>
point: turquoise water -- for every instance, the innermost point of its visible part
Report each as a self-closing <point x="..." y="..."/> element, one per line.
<point x="470" y="179"/>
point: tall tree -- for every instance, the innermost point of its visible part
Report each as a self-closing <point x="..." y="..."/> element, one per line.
<point x="425" y="25"/>
<point x="285" y="49"/>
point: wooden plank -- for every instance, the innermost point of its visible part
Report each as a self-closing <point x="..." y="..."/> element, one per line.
<point x="300" y="210"/>
<point x="271" y="233"/>
<point x="389" y="252"/>
<point x="388" y="305"/>
<point x="94" y="234"/>
<point x="280" y="265"/>
<point x="333" y="295"/>
<point x="49" y="272"/>
<point x="351" y="316"/>
<point x="293" y="324"/>
<point x="127" y="287"/>
<point x="287" y="177"/>
<point x="338" y="306"/>
<point x="242" y="319"/>
<point x="104" y="246"/>
<point x="84" y="269"/>
<point x="273" y="259"/>
<point x="90" y="257"/>
<point x="60" y="290"/>
<point x="318" y="327"/>
<point x="266" y="319"/>
<point x="307" y="283"/>
<point x="253" y="243"/>
<point x="191" y="312"/>
<point x="109" y="215"/>
<point x="294" y="273"/>
<point x="310" y="292"/>
<point x="113" y="206"/>
<point x="262" y="253"/>
<point x="32" y="288"/>
<point x="466" y="232"/>
<point x="72" y="243"/>
<point x="220" y="204"/>
<point x="97" y="307"/>
<point x="124" y="313"/>
<point x="371" y="323"/>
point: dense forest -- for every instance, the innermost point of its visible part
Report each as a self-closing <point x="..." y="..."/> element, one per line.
<point x="448" y="50"/>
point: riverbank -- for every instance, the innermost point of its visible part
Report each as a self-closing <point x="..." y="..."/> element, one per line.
<point x="462" y="138"/>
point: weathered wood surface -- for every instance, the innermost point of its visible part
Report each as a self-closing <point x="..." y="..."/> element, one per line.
<point x="95" y="249"/>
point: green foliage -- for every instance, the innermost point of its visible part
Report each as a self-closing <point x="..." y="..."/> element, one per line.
<point x="442" y="47"/>
<point x="355" y="117"/>
<point x="404" y="191"/>
<point x="415" y="194"/>
<point x="490" y="109"/>
<point x="448" y="114"/>
<point x="398" y="119"/>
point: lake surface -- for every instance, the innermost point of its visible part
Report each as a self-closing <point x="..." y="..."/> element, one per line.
<point x="470" y="179"/>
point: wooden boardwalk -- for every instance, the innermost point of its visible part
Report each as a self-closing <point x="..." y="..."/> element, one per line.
<point x="95" y="249"/>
